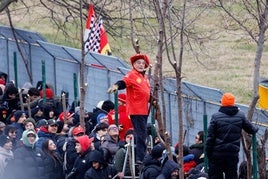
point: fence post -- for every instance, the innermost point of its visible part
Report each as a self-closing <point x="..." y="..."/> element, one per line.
<point x="116" y="107"/>
<point x="44" y="80"/>
<point x="75" y="90"/>
<point x="254" y="150"/>
<point x="15" y="68"/>
<point x="205" y="124"/>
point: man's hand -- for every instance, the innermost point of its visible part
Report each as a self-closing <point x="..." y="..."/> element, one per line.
<point x="112" y="89"/>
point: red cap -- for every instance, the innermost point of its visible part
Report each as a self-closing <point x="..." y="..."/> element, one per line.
<point x="61" y="116"/>
<point x="140" y="56"/>
<point x="49" y="93"/>
<point x="122" y="97"/>
<point x="78" y="130"/>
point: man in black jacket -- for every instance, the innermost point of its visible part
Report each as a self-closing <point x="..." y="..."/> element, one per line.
<point x="223" y="139"/>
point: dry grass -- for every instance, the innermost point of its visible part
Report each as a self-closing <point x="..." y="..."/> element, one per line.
<point x="227" y="62"/>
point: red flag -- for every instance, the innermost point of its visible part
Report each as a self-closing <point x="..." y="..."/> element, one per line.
<point x="95" y="37"/>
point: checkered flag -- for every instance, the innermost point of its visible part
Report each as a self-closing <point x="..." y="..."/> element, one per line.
<point x="95" y="37"/>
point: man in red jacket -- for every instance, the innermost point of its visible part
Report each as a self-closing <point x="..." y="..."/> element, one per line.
<point x="137" y="88"/>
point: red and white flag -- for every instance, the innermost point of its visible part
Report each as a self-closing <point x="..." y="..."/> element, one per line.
<point x="95" y="37"/>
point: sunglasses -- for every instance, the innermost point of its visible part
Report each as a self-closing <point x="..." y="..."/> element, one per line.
<point x="55" y="125"/>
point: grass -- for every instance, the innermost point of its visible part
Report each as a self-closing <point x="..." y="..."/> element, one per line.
<point x="226" y="62"/>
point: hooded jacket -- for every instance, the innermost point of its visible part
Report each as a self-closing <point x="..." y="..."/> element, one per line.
<point x="82" y="163"/>
<point x="167" y="169"/>
<point x="151" y="167"/>
<point x="224" y="132"/>
<point x="27" y="162"/>
<point x="104" y="172"/>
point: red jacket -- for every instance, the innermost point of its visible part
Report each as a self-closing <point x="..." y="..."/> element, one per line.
<point x="138" y="93"/>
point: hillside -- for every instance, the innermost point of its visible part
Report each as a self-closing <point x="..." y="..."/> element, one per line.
<point x="225" y="61"/>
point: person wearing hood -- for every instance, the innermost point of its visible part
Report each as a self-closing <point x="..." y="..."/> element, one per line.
<point x="27" y="161"/>
<point x="82" y="163"/>
<point x="99" y="168"/>
<point x="6" y="153"/>
<point x="224" y="137"/>
<point x="69" y="150"/>
<point x="152" y="163"/>
<point x="170" y="170"/>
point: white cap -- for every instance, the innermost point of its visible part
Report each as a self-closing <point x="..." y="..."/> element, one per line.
<point x="99" y="105"/>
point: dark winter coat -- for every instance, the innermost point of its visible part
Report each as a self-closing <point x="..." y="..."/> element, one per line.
<point x="27" y="164"/>
<point x="61" y="139"/>
<point x="109" y="148"/>
<point x="167" y="169"/>
<point x="81" y="165"/>
<point x="151" y="167"/>
<point x="97" y="141"/>
<point x="197" y="150"/>
<point x="71" y="154"/>
<point x="53" y="169"/>
<point x="224" y="132"/>
<point x="8" y="104"/>
<point x="105" y="172"/>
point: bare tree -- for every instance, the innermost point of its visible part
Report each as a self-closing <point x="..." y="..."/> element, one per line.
<point x="162" y="29"/>
<point x="5" y="3"/>
<point x="252" y="14"/>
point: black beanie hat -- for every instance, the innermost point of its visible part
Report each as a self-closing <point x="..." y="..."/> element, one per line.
<point x="101" y="126"/>
<point x="3" y="139"/>
<point x="107" y="105"/>
<point x="18" y="114"/>
<point x="157" y="151"/>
